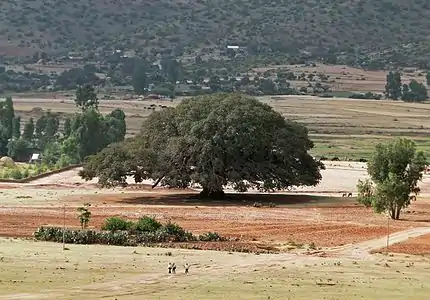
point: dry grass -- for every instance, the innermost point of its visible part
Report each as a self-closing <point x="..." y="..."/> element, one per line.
<point x="35" y="270"/>
<point x="339" y="127"/>
<point x="348" y="79"/>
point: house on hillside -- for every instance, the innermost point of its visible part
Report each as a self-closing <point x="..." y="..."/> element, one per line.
<point x="35" y="158"/>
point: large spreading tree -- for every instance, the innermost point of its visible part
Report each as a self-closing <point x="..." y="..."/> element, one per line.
<point x="213" y="141"/>
<point x="395" y="170"/>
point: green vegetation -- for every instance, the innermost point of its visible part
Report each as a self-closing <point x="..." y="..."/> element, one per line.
<point x="395" y="168"/>
<point x="268" y="31"/>
<point x="117" y="224"/>
<point x="84" y="134"/>
<point x="412" y="92"/>
<point x="212" y="140"/>
<point x="21" y="171"/>
<point x="84" y="215"/>
<point x="117" y="231"/>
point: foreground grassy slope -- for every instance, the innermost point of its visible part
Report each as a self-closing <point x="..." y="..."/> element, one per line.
<point x="266" y="27"/>
<point x="42" y="270"/>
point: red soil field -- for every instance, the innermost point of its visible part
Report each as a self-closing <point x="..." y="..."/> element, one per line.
<point x="298" y="218"/>
<point x="416" y="246"/>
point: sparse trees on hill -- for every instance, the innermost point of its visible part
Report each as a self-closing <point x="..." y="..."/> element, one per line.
<point x="212" y="140"/>
<point x="395" y="170"/>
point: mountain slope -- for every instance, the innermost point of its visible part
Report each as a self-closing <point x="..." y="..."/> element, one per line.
<point x="263" y="26"/>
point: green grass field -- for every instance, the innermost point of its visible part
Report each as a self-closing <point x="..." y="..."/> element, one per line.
<point x="36" y="270"/>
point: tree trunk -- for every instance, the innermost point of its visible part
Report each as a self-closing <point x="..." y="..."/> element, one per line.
<point x="398" y="209"/>
<point x="212" y="194"/>
<point x="393" y="213"/>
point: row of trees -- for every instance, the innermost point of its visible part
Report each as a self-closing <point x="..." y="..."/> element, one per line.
<point x="83" y="134"/>
<point x="413" y="92"/>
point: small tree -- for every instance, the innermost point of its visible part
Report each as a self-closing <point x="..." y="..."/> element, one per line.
<point x="395" y="170"/>
<point x="84" y="215"/>
<point x="28" y="130"/>
<point x="139" y="79"/>
<point x="393" y="88"/>
<point x="67" y="127"/>
<point x="86" y="97"/>
<point x="16" y="127"/>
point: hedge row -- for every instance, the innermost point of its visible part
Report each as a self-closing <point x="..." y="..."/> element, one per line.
<point x="125" y="233"/>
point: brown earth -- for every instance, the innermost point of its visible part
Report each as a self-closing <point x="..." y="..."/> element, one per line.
<point x="313" y="215"/>
<point x="415" y="246"/>
<point x="291" y="221"/>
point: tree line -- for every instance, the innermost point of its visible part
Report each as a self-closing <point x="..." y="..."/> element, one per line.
<point x="80" y="135"/>
<point x="412" y="92"/>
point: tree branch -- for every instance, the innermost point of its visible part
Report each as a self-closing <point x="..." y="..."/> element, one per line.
<point x="158" y="181"/>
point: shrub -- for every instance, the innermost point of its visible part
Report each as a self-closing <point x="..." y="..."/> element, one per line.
<point x="168" y="233"/>
<point x="26" y="173"/>
<point x="178" y="233"/>
<point x="119" y="238"/>
<point x="84" y="215"/>
<point x="5" y="174"/>
<point x="159" y="236"/>
<point x="16" y="174"/>
<point x="147" y="224"/>
<point x="210" y="237"/>
<point x="117" y="224"/>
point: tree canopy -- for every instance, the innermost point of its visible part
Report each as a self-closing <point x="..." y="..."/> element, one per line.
<point x="395" y="170"/>
<point x="213" y="141"/>
<point x="412" y="92"/>
<point x="84" y="133"/>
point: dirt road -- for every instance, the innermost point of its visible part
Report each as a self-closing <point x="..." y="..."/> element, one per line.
<point x="363" y="250"/>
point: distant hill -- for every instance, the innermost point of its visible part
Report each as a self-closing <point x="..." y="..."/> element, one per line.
<point x="396" y="30"/>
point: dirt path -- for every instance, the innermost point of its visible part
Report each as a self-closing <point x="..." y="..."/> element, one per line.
<point x="362" y="250"/>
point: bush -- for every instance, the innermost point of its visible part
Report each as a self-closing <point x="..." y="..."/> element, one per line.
<point x="179" y="234"/>
<point x="147" y="224"/>
<point x="117" y="224"/>
<point x="119" y="238"/>
<point x="122" y="233"/>
<point x="210" y="237"/>
<point x="16" y="174"/>
<point x="55" y="234"/>
<point x="26" y="173"/>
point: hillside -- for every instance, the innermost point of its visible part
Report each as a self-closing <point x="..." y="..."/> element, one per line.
<point x="395" y="29"/>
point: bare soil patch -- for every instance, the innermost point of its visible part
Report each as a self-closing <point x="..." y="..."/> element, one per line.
<point x="326" y="225"/>
<point x="317" y="215"/>
<point x="415" y="246"/>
